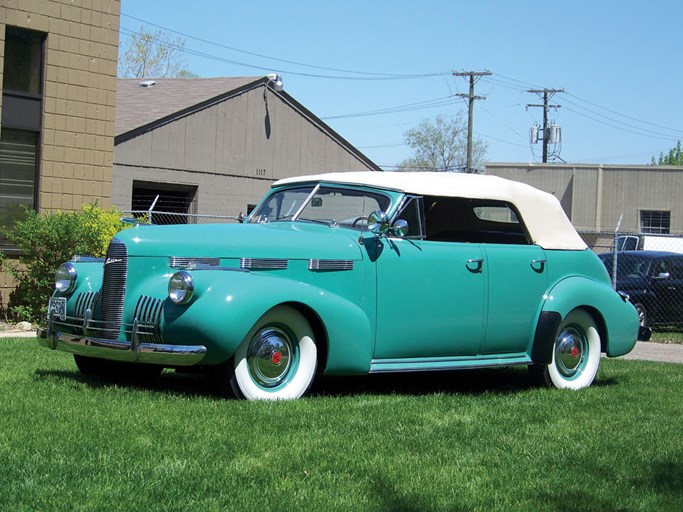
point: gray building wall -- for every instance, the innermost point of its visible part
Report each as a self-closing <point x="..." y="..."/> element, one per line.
<point x="232" y="151"/>
<point x="595" y="196"/>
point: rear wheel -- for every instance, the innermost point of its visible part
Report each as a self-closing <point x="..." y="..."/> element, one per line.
<point x="277" y="359"/>
<point x="576" y="353"/>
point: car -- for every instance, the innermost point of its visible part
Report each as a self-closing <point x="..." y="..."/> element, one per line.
<point x="653" y="281"/>
<point x="349" y="274"/>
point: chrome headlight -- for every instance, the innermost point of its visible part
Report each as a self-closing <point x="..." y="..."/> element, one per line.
<point x="180" y="287"/>
<point x="65" y="278"/>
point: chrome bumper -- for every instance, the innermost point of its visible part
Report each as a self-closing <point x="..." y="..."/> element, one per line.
<point x="126" y="351"/>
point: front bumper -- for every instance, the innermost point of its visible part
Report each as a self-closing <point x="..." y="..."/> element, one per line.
<point x="126" y="351"/>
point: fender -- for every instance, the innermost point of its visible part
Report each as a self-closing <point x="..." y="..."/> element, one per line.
<point x="572" y="292"/>
<point x="227" y="304"/>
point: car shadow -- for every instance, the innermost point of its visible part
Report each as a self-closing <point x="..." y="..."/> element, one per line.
<point x="465" y="382"/>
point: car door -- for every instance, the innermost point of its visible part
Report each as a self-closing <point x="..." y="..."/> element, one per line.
<point x="431" y="298"/>
<point x="667" y="287"/>
<point x="517" y="280"/>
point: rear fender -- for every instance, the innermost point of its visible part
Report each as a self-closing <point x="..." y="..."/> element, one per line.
<point x="616" y="318"/>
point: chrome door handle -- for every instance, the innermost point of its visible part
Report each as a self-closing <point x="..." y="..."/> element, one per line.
<point x="475" y="265"/>
<point x="538" y="265"/>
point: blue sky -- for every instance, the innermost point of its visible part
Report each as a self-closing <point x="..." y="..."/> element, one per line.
<point x="620" y="63"/>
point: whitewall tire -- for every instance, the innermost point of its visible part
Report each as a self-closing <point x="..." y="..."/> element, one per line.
<point x="278" y="358"/>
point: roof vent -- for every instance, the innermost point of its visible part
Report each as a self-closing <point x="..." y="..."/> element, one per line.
<point x="147" y="83"/>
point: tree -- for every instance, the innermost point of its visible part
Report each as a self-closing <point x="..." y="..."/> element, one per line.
<point x="153" y="55"/>
<point x="441" y="145"/>
<point x="674" y="157"/>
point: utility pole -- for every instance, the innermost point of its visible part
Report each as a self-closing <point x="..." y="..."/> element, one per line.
<point x="474" y="77"/>
<point x="547" y="95"/>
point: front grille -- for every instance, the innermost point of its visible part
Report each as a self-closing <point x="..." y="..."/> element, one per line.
<point x="113" y="291"/>
<point x="84" y="302"/>
<point x="148" y="316"/>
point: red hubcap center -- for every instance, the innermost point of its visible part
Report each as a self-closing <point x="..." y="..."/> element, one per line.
<point x="575" y="352"/>
<point x="276" y="357"/>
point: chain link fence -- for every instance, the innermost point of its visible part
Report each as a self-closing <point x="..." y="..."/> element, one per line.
<point x="170" y="218"/>
<point x="649" y="268"/>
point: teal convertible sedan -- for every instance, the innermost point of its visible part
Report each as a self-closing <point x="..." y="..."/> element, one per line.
<point x="349" y="273"/>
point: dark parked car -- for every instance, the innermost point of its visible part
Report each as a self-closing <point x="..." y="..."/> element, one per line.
<point x="654" y="282"/>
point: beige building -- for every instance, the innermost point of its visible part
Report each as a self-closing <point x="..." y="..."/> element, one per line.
<point x="213" y="146"/>
<point x="58" y="63"/>
<point x="646" y="198"/>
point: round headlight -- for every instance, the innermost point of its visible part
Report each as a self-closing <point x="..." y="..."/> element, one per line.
<point x="65" y="278"/>
<point x="180" y="287"/>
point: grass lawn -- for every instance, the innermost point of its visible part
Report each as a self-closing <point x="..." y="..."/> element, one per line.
<point x="664" y="335"/>
<point x="482" y="440"/>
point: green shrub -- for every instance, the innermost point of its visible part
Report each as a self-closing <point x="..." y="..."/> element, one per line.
<point x="46" y="241"/>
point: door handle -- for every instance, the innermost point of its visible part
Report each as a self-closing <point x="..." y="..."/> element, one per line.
<point x="475" y="265"/>
<point x="538" y="265"/>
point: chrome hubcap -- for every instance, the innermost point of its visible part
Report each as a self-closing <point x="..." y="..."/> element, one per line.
<point x="569" y="352"/>
<point x="269" y="357"/>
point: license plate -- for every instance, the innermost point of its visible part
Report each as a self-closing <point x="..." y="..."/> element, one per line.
<point x="57" y="308"/>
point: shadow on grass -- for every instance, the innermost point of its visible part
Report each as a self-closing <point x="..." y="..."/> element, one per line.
<point x="468" y="382"/>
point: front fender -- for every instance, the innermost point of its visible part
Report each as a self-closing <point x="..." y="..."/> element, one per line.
<point x="617" y="316"/>
<point x="227" y="304"/>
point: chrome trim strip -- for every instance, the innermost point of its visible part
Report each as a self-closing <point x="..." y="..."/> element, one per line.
<point x="182" y="263"/>
<point x="263" y="264"/>
<point x="317" y="265"/>
<point x="117" y="350"/>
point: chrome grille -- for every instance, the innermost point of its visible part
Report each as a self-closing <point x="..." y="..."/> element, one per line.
<point x="148" y="316"/>
<point x="263" y="263"/>
<point x="84" y="302"/>
<point x="113" y="289"/>
<point x="189" y="263"/>
<point x="330" y="265"/>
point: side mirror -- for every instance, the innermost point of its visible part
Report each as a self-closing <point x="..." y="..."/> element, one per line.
<point x="378" y="223"/>
<point x="400" y="228"/>
<point x="663" y="275"/>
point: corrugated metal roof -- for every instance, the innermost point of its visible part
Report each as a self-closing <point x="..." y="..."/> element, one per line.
<point x="137" y="106"/>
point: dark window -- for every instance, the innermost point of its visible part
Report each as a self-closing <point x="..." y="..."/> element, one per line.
<point x="20" y="125"/>
<point x="170" y="204"/>
<point x="455" y="219"/>
<point x="23" y="61"/>
<point x="655" y="222"/>
<point x="413" y="214"/>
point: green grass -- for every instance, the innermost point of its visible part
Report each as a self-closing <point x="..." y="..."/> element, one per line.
<point x="481" y="440"/>
<point x="664" y="335"/>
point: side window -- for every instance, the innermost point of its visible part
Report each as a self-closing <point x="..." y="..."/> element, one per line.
<point x="454" y="219"/>
<point x="412" y="212"/>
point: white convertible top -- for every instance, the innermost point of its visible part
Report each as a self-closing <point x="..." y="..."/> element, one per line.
<point x="543" y="215"/>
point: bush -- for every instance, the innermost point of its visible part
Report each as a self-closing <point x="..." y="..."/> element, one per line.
<point x="46" y="241"/>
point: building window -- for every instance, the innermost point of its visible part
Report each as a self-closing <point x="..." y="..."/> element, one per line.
<point x="22" y="89"/>
<point x="167" y="203"/>
<point x="23" y="61"/>
<point x="655" y="222"/>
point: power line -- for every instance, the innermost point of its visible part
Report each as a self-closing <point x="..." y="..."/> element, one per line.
<point x="364" y="75"/>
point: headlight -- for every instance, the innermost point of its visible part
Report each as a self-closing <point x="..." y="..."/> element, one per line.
<point x="180" y="287"/>
<point x="65" y="278"/>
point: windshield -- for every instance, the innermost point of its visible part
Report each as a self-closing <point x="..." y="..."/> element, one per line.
<point x="328" y="205"/>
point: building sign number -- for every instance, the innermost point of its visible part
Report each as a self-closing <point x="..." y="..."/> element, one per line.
<point x="260" y="172"/>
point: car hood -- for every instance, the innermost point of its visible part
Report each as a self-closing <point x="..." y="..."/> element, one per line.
<point x="286" y="240"/>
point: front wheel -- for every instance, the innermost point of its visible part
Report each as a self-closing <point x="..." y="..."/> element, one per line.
<point x="576" y="353"/>
<point x="642" y="314"/>
<point x="277" y="359"/>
